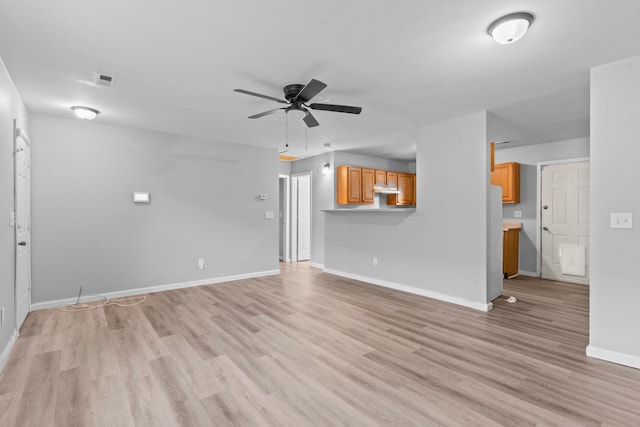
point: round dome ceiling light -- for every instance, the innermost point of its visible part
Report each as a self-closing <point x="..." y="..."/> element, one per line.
<point x="85" y="113"/>
<point x="510" y="28"/>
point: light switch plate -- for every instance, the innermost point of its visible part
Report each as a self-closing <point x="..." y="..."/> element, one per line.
<point x="517" y="214"/>
<point x="268" y="215"/>
<point x="621" y="220"/>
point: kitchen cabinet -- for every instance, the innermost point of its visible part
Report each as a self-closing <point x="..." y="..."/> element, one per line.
<point x="368" y="178"/>
<point x="381" y="178"/>
<point x="392" y="179"/>
<point x="507" y="175"/>
<point x="348" y="185"/>
<point x="406" y="188"/>
<point x="510" y="245"/>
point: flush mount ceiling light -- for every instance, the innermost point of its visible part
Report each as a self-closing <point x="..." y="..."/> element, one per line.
<point x="85" y="113"/>
<point x="510" y="28"/>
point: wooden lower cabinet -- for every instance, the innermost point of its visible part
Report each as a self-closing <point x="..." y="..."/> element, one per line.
<point x="510" y="247"/>
<point x="407" y="189"/>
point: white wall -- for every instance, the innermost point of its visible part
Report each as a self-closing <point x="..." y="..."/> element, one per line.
<point x="528" y="156"/>
<point x="11" y="107"/>
<point x="615" y="179"/>
<point x="204" y="203"/>
<point x="440" y="249"/>
<point x="323" y="188"/>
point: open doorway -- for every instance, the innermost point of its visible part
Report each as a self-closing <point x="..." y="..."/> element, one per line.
<point x="284" y="214"/>
<point x="564" y="220"/>
<point x="301" y="217"/>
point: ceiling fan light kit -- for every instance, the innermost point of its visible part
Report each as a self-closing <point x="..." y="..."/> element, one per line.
<point x="510" y="28"/>
<point x="297" y="96"/>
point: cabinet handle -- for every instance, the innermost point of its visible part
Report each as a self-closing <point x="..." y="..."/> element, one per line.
<point x="545" y="228"/>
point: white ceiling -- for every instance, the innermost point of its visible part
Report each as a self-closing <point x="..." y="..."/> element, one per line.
<point x="406" y="63"/>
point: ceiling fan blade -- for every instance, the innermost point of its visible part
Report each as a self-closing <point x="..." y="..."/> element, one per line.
<point x="266" y="113"/>
<point x="259" y="95"/>
<point x="309" y="120"/>
<point x="310" y="90"/>
<point x="337" y="108"/>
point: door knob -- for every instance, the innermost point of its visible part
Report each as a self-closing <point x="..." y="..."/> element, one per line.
<point x="545" y="228"/>
<point x="22" y="244"/>
<point x="545" y="207"/>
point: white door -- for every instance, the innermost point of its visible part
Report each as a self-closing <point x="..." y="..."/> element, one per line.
<point x="565" y="222"/>
<point x="22" y="226"/>
<point x="304" y="217"/>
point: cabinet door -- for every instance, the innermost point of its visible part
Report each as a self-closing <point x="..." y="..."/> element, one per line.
<point x="507" y="175"/>
<point x="405" y="186"/>
<point x="381" y="178"/>
<point x="368" y="177"/>
<point x="392" y="179"/>
<point x="354" y="194"/>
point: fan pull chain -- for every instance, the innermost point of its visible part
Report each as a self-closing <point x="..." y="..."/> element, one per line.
<point x="306" y="139"/>
<point x="286" y="129"/>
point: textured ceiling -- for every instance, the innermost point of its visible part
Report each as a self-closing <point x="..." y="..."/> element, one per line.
<point x="406" y="63"/>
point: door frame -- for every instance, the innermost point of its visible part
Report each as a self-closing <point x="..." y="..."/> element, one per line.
<point x="286" y="227"/>
<point x="19" y="133"/>
<point x="539" y="167"/>
<point x="294" y="211"/>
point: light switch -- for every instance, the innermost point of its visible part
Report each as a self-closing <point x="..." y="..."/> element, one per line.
<point x="621" y="220"/>
<point x="517" y="214"/>
<point x="268" y="215"/>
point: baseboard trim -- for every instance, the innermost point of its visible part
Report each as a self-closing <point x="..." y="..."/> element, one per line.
<point x="413" y="290"/>
<point x="7" y="349"/>
<point x="528" y="273"/>
<point x="613" y="356"/>
<point x="137" y="291"/>
<point x="316" y="265"/>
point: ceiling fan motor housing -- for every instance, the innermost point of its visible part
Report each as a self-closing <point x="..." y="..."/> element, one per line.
<point x="291" y="91"/>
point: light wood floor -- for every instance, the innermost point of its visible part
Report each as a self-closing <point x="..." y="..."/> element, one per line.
<point x="308" y="348"/>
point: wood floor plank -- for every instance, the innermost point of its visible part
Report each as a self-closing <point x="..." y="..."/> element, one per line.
<point x="306" y="348"/>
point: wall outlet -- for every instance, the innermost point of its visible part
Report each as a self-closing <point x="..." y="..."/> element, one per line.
<point x="201" y="263"/>
<point x="517" y="214"/>
<point x="375" y="261"/>
<point x="1" y="316"/>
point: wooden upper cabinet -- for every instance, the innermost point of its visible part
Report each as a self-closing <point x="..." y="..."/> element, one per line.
<point x="406" y="186"/>
<point x="493" y="156"/>
<point x="368" y="178"/>
<point x="507" y="175"/>
<point x="381" y="178"/>
<point x="392" y="179"/>
<point x="354" y="185"/>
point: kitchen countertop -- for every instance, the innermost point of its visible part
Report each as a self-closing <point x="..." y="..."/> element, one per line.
<point x="506" y="226"/>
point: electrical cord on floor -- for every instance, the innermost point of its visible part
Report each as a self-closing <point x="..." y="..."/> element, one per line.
<point x="122" y="302"/>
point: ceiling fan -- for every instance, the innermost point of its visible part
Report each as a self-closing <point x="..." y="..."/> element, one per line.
<point x="297" y="96"/>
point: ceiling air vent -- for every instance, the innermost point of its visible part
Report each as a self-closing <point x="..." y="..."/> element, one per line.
<point x="105" y="80"/>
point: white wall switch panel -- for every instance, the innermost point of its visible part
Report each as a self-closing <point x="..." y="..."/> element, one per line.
<point x="517" y="214"/>
<point x="621" y="220"/>
<point x="268" y="215"/>
<point x="201" y="263"/>
<point x="12" y="219"/>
